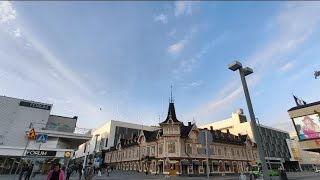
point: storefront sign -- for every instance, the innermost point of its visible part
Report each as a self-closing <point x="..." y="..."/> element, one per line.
<point x="35" y="105"/>
<point x="40" y="153"/>
<point x="67" y="154"/>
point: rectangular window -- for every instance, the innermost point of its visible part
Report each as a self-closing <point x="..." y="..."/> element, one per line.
<point x="219" y="151"/>
<point x="171" y="147"/>
<point x="153" y="149"/>
<point x="189" y="148"/>
<point x="232" y="152"/>
<point x="212" y="149"/>
<point x="238" y="152"/>
<point x="160" y="148"/>
<point x="199" y="149"/>
<point x="148" y="151"/>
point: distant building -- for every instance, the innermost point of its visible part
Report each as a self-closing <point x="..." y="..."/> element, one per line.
<point x="17" y="117"/>
<point x="274" y="140"/>
<point x="176" y="146"/>
<point x="307" y="160"/>
<point x="107" y="136"/>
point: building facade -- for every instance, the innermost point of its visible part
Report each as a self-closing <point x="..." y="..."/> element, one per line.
<point x="307" y="160"/>
<point x="273" y="140"/>
<point x="107" y="136"/>
<point x="17" y="117"/>
<point x="176" y="146"/>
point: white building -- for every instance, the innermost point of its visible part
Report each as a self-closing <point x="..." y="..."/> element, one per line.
<point x="307" y="159"/>
<point x="18" y="116"/>
<point x="107" y="136"/>
<point x="274" y="140"/>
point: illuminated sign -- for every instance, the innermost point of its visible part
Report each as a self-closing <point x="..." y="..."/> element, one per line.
<point x="307" y="127"/>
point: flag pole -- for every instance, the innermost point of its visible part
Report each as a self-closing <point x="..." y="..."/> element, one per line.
<point x="25" y="148"/>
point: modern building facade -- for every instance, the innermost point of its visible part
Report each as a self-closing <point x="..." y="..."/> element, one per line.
<point x="306" y="120"/>
<point x="175" y="146"/>
<point x="274" y="140"/>
<point x="106" y="136"/>
<point x="307" y="160"/>
<point x="18" y="116"/>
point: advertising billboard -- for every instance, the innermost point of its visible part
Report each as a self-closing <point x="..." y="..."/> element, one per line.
<point x="307" y="127"/>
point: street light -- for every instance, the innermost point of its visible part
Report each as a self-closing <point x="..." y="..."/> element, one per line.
<point x="244" y="72"/>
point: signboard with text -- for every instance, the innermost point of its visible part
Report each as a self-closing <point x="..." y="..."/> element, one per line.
<point x="31" y="152"/>
<point x="35" y="105"/>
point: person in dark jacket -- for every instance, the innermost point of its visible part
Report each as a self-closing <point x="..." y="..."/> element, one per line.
<point x="29" y="171"/>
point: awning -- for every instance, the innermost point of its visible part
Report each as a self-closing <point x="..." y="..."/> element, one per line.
<point x="216" y="163"/>
<point x="196" y="163"/>
<point x="160" y="163"/>
<point x="205" y="163"/>
<point x="227" y="163"/>
<point x="184" y="162"/>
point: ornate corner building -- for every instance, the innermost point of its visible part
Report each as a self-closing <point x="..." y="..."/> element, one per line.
<point x="176" y="146"/>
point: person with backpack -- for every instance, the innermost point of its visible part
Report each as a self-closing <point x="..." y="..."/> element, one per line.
<point x="88" y="172"/>
<point x="56" y="174"/>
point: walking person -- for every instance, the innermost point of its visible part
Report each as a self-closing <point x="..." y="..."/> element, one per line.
<point x="23" y="170"/>
<point x="88" y="172"/>
<point x="29" y="171"/>
<point x="69" y="172"/>
<point x="80" y="171"/>
<point x="56" y="174"/>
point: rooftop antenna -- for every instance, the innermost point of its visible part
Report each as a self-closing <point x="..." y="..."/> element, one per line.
<point x="171" y="101"/>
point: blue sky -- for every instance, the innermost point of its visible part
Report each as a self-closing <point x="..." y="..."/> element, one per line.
<point x="123" y="57"/>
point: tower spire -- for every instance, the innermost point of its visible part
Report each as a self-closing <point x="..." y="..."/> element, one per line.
<point x="171" y="100"/>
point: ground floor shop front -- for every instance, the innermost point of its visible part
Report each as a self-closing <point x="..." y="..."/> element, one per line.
<point x="41" y="160"/>
<point x="184" y="166"/>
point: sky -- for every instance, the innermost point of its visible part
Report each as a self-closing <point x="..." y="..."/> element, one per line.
<point x="117" y="60"/>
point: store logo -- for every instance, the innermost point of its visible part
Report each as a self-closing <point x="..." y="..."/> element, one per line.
<point x="40" y="153"/>
<point x="34" y="105"/>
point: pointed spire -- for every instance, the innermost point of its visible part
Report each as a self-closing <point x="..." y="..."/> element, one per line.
<point x="171" y="100"/>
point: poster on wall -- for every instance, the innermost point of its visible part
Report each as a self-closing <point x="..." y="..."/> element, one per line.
<point x="308" y="127"/>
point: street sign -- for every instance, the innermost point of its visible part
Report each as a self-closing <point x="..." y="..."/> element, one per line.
<point x="202" y="137"/>
<point x="67" y="154"/>
<point x="32" y="134"/>
<point x="42" y="138"/>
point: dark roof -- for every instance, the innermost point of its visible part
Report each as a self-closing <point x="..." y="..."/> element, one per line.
<point x="172" y="113"/>
<point x="150" y="135"/>
<point x="304" y="106"/>
<point x="185" y="130"/>
<point x="243" y="137"/>
<point x="218" y="136"/>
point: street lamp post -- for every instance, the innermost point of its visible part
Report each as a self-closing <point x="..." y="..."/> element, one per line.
<point x="244" y="72"/>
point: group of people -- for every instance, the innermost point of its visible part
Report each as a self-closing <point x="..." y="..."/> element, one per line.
<point x="58" y="174"/>
<point x="27" y="171"/>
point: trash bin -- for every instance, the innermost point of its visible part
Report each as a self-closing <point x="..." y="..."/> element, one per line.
<point x="283" y="175"/>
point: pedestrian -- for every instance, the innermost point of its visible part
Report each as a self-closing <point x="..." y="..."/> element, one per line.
<point x="23" y="170"/>
<point x="147" y="170"/>
<point x="29" y="171"/>
<point x="80" y="171"/>
<point x="99" y="172"/>
<point x="111" y="168"/>
<point x="56" y="174"/>
<point x="242" y="176"/>
<point x="69" y="172"/>
<point x="88" y="172"/>
<point x="108" y="170"/>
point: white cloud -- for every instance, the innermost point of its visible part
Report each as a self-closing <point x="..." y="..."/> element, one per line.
<point x="161" y="18"/>
<point x="182" y="7"/>
<point x="41" y="74"/>
<point x="177" y="47"/>
<point x="7" y="13"/>
<point x="17" y="33"/>
<point x="287" y="66"/>
<point x="295" y="24"/>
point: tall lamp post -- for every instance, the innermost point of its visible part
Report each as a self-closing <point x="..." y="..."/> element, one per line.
<point x="244" y="72"/>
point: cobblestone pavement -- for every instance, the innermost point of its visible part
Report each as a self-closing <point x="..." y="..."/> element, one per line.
<point x="128" y="175"/>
